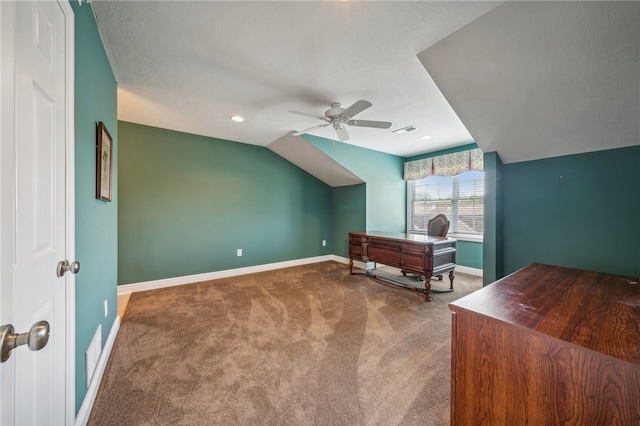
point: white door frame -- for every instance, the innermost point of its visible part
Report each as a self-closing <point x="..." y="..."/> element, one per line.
<point x="70" y="176"/>
<point x="7" y="131"/>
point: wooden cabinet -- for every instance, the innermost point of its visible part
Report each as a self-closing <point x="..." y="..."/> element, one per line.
<point x="547" y="346"/>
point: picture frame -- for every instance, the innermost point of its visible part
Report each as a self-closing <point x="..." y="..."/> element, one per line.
<point x="104" y="162"/>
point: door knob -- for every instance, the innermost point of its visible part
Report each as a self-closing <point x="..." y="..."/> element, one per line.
<point x="64" y="266"/>
<point x="35" y="339"/>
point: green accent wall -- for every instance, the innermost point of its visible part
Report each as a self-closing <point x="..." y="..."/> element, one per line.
<point x="580" y="211"/>
<point x="188" y="202"/>
<point x="96" y="221"/>
<point x="348" y="215"/>
<point x="469" y="253"/>
<point x="386" y="192"/>
<point x="493" y="248"/>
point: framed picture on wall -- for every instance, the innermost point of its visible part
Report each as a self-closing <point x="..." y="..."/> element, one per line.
<point x="104" y="162"/>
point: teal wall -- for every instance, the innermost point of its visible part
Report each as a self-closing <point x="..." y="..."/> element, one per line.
<point x="386" y="192"/>
<point x="580" y="211"/>
<point x="96" y="221"/>
<point x="348" y="215"/>
<point x="469" y="253"/>
<point x="187" y="202"/>
<point x="493" y="247"/>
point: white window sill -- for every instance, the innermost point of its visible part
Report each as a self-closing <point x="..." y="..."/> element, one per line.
<point x="467" y="237"/>
<point x="460" y="237"/>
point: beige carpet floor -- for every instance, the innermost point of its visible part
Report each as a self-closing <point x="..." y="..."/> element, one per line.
<point x="308" y="345"/>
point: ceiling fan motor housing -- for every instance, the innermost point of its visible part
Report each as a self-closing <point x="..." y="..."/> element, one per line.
<point x="335" y="111"/>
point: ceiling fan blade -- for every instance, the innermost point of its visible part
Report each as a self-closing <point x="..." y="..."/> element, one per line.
<point x="300" y="132"/>
<point x="342" y="133"/>
<point x="356" y="108"/>
<point x="319" y="117"/>
<point x="369" y="123"/>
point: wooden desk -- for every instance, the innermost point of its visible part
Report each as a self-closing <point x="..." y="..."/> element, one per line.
<point x="547" y="346"/>
<point x="417" y="254"/>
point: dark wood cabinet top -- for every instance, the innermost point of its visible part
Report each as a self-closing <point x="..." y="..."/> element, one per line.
<point x="418" y="238"/>
<point x="597" y="311"/>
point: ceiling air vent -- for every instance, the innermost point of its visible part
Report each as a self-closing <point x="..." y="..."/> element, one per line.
<point x="405" y="130"/>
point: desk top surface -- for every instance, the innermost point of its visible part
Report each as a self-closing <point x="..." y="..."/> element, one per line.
<point x="593" y="310"/>
<point x="418" y="238"/>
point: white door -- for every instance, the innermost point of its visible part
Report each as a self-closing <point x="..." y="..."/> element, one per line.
<point x="36" y="188"/>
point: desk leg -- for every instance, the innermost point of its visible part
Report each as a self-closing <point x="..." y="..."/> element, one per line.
<point x="427" y="287"/>
<point x="451" y="276"/>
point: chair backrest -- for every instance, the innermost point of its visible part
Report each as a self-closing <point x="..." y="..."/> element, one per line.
<point x="438" y="226"/>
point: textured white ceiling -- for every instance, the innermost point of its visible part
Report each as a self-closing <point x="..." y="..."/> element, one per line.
<point x="534" y="80"/>
<point x="528" y="79"/>
<point x="188" y="66"/>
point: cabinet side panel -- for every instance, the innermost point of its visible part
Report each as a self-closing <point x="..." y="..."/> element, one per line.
<point x="508" y="375"/>
<point x="454" y="345"/>
<point x="476" y="383"/>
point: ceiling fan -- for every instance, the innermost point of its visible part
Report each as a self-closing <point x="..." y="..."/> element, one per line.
<point x="338" y="117"/>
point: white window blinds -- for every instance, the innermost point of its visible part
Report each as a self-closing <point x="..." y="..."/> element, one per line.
<point x="460" y="197"/>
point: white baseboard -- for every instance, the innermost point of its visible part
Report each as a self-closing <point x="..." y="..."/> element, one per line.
<point x="85" y="410"/>
<point x="356" y="263"/>
<point x="189" y="279"/>
<point x="469" y="271"/>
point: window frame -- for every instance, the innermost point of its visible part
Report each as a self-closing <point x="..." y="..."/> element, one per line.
<point x="454" y="207"/>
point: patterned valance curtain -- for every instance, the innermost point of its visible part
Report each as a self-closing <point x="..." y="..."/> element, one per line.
<point x="444" y="165"/>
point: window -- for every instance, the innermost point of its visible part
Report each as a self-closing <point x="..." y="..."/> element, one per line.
<point x="460" y="198"/>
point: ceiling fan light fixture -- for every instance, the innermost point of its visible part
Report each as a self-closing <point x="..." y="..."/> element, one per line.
<point x="405" y="129"/>
<point x="338" y="117"/>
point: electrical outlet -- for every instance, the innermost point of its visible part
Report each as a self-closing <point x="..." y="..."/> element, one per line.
<point x="239" y="252"/>
<point x="324" y="243"/>
<point x="106" y="308"/>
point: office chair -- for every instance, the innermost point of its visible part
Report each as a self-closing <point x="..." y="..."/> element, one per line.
<point x="438" y="226"/>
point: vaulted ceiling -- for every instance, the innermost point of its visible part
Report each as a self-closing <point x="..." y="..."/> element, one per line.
<point x="534" y="80"/>
<point x="526" y="79"/>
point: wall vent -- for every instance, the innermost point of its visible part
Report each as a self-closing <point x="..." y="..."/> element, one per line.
<point x="92" y="355"/>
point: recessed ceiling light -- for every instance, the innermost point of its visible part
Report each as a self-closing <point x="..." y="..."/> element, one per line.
<point x="237" y="118"/>
<point x="425" y="137"/>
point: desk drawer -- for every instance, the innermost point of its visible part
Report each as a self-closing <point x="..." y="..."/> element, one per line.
<point x="385" y="253"/>
<point x="416" y="248"/>
<point x="413" y="262"/>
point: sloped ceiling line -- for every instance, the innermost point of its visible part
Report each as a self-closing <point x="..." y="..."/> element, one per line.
<point x="300" y="152"/>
